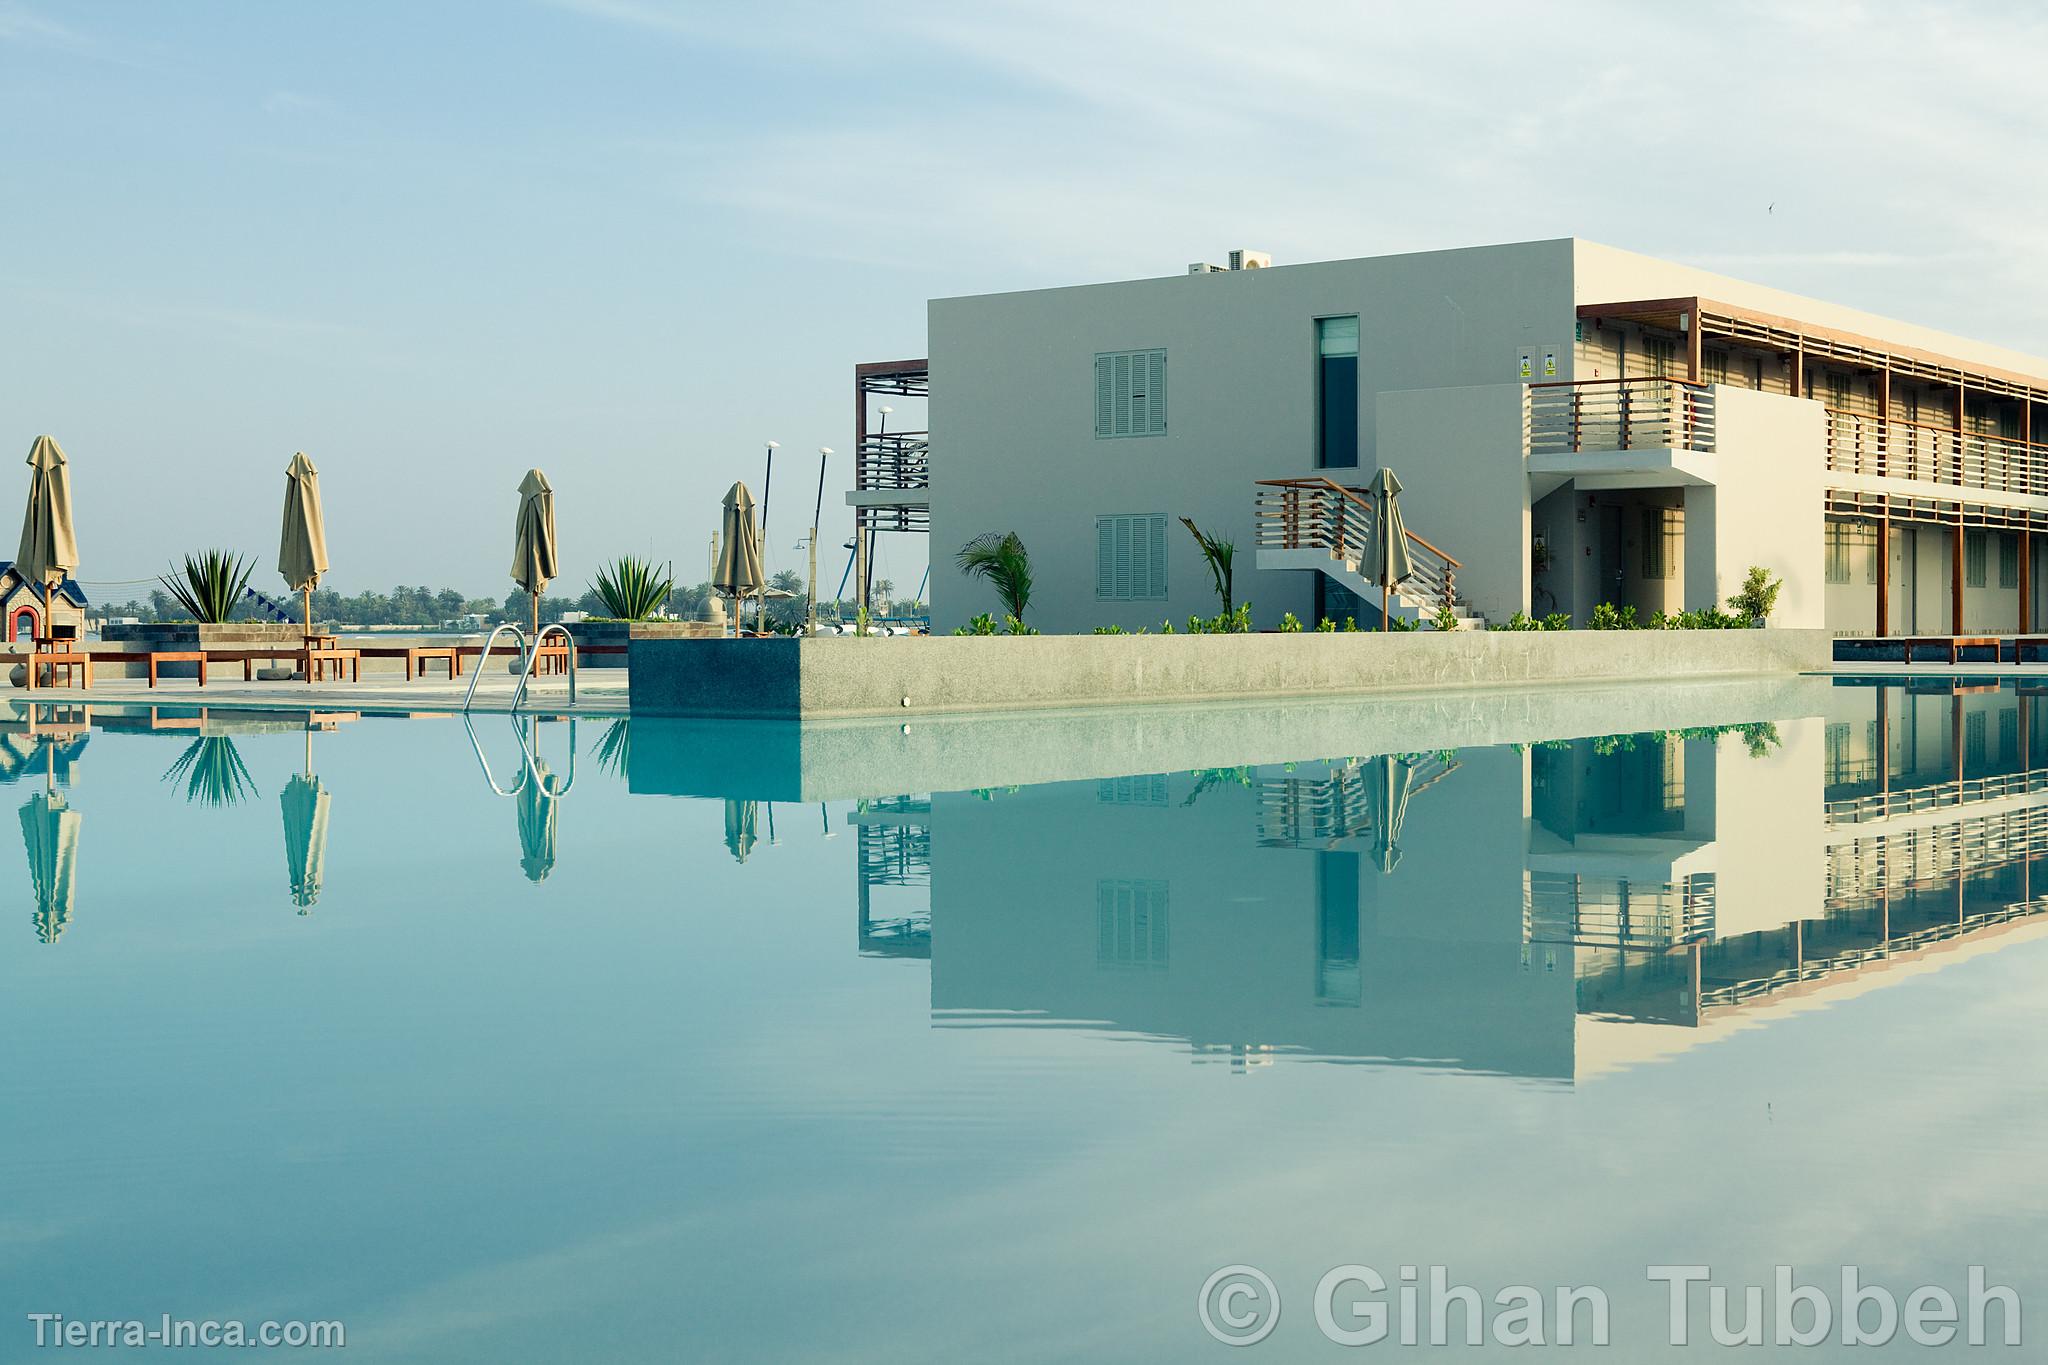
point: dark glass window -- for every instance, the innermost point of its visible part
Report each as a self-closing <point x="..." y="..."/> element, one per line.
<point x="1337" y="393"/>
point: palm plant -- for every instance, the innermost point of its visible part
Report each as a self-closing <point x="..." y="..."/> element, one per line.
<point x="1219" y="555"/>
<point x="1000" y="559"/>
<point x="213" y="584"/>
<point x="631" y="588"/>
<point x="213" y="772"/>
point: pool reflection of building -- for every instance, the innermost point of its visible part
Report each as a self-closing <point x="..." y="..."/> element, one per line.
<point x="1550" y="911"/>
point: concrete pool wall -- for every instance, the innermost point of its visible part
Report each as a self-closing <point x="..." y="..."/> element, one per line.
<point x="848" y="676"/>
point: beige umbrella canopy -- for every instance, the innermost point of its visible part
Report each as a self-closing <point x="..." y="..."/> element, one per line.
<point x="49" y="549"/>
<point x="533" y="539"/>
<point x="49" y="829"/>
<point x="302" y="551"/>
<point x="1391" y="561"/>
<point x="739" y="573"/>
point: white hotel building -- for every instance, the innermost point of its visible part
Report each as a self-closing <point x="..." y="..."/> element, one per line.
<point x="1573" y="425"/>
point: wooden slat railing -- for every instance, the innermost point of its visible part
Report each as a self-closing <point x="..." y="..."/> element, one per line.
<point x="898" y="460"/>
<point x="1322" y="514"/>
<point x="1891" y="449"/>
<point x="1619" y="414"/>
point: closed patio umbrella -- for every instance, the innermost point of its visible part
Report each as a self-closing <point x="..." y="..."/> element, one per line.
<point x="533" y="539"/>
<point x="1388" y="785"/>
<point x="1391" y="562"/>
<point x="304" y="802"/>
<point x="49" y="829"/>
<point x="302" y="551"/>
<point x="48" y="550"/>
<point x="739" y="574"/>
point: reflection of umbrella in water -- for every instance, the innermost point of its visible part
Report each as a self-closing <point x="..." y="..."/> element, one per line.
<point x="49" y="829"/>
<point x="1388" y="785"/>
<point x="741" y="819"/>
<point x="304" y="802"/>
<point x="536" y="824"/>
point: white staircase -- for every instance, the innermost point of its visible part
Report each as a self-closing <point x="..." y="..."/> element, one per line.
<point x="1324" y="527"/>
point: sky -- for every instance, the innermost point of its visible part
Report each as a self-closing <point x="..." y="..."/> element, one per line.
<point x="629" y="241"/>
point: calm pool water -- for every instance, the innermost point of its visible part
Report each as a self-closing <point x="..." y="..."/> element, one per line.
<point x="992" y="1039"/>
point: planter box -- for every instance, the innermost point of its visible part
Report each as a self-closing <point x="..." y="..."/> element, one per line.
<point x="625" y="632"/>
<point x="846" y="676"/>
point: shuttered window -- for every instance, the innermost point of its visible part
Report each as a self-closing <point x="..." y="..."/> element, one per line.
<point x="1130" y="393"/>
<point x="1130" y="557"/>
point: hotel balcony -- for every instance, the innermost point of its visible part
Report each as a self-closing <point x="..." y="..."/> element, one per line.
<point x="892" y="481"/>
<point x="1657" y="427"/>
<point x="1878" y="448"/>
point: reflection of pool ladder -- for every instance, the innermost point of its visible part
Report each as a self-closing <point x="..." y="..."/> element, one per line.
<point x="527" y="652"/>
<point x="550" y="785"/>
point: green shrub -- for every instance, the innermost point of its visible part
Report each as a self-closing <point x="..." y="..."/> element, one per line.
<point x="1402" y="623"/>
<point x="1351" y="625"/>
<point x="1013" y="626"/>
<point x="1605" y="617"/>
<point x="1757" y="596"/>
<point x="1326" y="626"/>
<point x="1290" y="624"/>
<point x="1445" y="618"/>
<point x="1109" y="630"/>
<point x="1557" y="620"/>
<point x="983" y="624"/>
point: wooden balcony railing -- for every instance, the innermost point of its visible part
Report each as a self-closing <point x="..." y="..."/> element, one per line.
<point x="1321" y="514"/>
<point x="1888" y="449"/>
<point x="1619" y="414"/>
<point x="898" y="460"/>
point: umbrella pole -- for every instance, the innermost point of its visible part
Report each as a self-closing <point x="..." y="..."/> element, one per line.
<point x="1385" y="593"/>
<point x="535" y="597"/>
<point x="309" y="634"/>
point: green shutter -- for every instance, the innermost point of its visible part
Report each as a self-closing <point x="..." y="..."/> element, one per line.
<point x="1105" y="556"/>
<point x="1155" y="395"/>
<point x="1123" y="395"/>
<point x="1105" y="407"/>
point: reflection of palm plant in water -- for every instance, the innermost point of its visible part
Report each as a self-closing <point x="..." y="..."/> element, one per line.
<point x="1000" y="559"/>
<point x="631" y="588"/>
<point x="212" y="584"/>
<point x="213" y="773"/>
<point x="615" y="747"/>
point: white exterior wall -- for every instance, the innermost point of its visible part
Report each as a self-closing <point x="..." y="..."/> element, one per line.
<point x="1458" y="453"/>
<point x="1766" y="506"/>
<point x="1012" y="410"/>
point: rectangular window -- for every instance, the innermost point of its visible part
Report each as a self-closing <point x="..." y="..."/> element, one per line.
<point x="1130" y="393"/>
<point x="1838" y="390"/>
<point x="2008" y="736"/>
<point x="1337" y="393"/>
<point x="1973" y="740"/>
<point x="1837" y="553"/>
<point x="1661" y="351"/>
<point x="1850" y="543"/>
<point x="1974" y="558"/>
<point x="1714" y="365"/>
<point x="1130" y="558"/>
<point x="1148" y="790"/>
<point x="2008" y="560"/>
<point x="1130" y="924"/>
<point x="1662" y="527"/>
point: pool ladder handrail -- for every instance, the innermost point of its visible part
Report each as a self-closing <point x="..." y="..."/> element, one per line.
<point x="527" y="652"/>
<point x="526" y="668"/>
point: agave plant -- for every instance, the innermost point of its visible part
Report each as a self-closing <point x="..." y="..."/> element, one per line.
<point x="1219" y="554"/>
<point x="213" y="772"/>
<point x="1000" y="559"/>
<point x="212" y="585"/>
<point x="631" y="588"/>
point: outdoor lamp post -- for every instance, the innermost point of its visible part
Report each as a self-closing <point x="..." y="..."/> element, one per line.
<point x="767" y="483"/>
<point x="817" y="512"/>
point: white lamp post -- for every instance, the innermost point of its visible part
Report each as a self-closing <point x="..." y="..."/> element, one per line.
<point x="817" y="512"/>
<point x="767" y="484"/>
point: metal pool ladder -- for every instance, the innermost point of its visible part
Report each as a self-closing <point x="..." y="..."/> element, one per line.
<point x="527" y="651"/>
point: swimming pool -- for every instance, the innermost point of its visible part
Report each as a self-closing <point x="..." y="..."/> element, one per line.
<point x="995" y="1038"/>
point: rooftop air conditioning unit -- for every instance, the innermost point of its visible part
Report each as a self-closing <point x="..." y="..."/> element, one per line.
<point x="1204" y="268"/>
<point x="1243" y="259"/>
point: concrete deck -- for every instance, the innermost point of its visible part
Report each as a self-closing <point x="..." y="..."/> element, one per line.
<point x="600" y="692"/>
